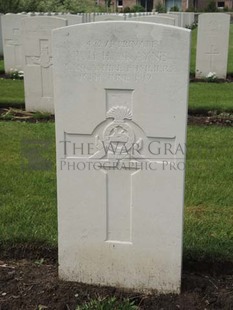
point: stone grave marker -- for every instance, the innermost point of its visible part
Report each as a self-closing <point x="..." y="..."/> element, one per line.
<point x="38" y="82"/>
<point x="1" y="43"/>
<point x="187" y="19"/>
<point x="72" y="19"/>
<point x="12" y="41"/>
<point x="87" y="17"/>
<point x="155" y="19"/>
<point x="120" y="91"/>
<point x="176" y="17"/>
<point x="106" y="17"/>
<point x="184" y="19"/>
<point x="212" y="44"/>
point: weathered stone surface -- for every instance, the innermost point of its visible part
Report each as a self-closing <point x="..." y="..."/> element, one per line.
<point x="12" y="41"/>
<point x="106" y="17"/>
<point x="155" y="19"/>
<point x="1" y="43"/>
<point x="212" y="44"/>
<point x="38" y="80"/>
<point x="121" y="93"/>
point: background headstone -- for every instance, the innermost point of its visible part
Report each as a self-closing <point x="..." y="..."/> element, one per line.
<point x="121" y="94"/>
<point x="212" y="44"/>
<point x="12" y="41"/>
<point x="72" y="19"/>
<point x="106" y="17"/>
<point x="176" y="17"/>
<point x="155" y="19"/>
<point x="38" y="82"/>
<point x="1" y="43"/>
<point x="187" y="19"/>
<point x="87" y="17"/>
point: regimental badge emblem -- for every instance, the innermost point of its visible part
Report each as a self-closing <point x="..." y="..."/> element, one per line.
<point x="118" y="139"/>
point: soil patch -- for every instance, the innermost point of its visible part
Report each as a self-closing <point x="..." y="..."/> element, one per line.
<point x="13" y="114"/>
<point x="34" y="284"/>
<point x="220" y="120"/>
<point x="208" y="118"/>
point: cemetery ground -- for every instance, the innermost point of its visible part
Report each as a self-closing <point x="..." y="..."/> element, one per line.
<point x="28" y="225"/>
<point x="28" y="267"/>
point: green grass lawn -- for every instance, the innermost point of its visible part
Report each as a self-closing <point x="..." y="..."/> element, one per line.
<point x="208" y="193"/>
<point x="193" y="51"/>
<point x="1" y="66"/>
<point x="204" y="97"/>
<point x="230" y="51"/>
<point x="11" y="93"/>
<point x="28" y="198"/>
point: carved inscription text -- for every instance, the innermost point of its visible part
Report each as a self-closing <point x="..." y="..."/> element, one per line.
<point x="126" y="60"/>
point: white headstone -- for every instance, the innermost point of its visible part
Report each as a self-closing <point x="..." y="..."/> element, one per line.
<point x="155" y="19"/>
<point x="187" y="19"/>
<point x="106" y="17"/>
<point x="38" y="83"/>
<point x="87" y="17"/>
<point x="120" y="103"/>
<point x="1" y="43"/>
<point x="212" y="44"/>
<point x="177" y="22"/>
<point x="178" y="16"/>
<point x="184" y="19"/>
<point x="72" y="19"/>
<point x="12" y="41"/>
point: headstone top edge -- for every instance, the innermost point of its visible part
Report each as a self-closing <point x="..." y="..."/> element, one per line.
<point x="215" y="14"/>
<point x="44" y="17"/>
<point x="98" y="23"/>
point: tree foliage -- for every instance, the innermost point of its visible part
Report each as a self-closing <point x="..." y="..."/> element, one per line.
<point x="160" y="8"/>
<point x="75" y="6"/>
<point x="211" y="7"/>
<point x="9" y="6"/>
<point x="72" y="6"/>
<point x="137" y="8"/>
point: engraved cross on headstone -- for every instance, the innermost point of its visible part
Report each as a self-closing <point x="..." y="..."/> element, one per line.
<point x="119" y="144"/>
<point x="16" y="46"/>
<point x="114" y="147"/>
<point x="45" y="62"/>
<point x="212" y="53"/>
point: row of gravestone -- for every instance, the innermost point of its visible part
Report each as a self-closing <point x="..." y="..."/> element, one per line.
<point x="120" y="90"/>
<point x="182" y="19"/>
<point x="27" y="47"/>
